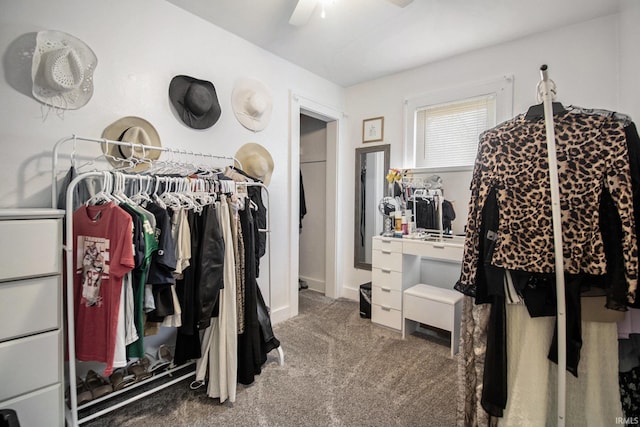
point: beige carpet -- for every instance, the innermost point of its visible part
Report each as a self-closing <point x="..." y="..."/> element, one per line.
<point x="340" y="370"/>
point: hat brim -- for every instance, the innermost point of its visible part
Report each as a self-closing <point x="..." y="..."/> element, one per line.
<point x="114" y="132"/>
<point x="248" y="151"/>
<point x="241" y="91"/>
<point x="47" y="41"/>
<point x="177" y="91"/>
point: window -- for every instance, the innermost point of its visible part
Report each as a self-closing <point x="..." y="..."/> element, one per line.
<point x="444" y="127"/>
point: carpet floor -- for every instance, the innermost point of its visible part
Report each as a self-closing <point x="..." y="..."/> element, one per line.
<point x="339" y="370"/>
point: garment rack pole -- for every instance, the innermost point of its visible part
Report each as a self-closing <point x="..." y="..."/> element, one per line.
<point x="144" y="148"/>
<point x="547" y="99"/>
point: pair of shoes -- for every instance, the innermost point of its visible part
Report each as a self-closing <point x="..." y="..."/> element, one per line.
<point x="161" y="362"/>
<point x="84" y="395"/>
<point x="121" y="379"/>
<point x="93" y="387"/>
<point x="139" y="369"/>
<point x="302" y="284"/>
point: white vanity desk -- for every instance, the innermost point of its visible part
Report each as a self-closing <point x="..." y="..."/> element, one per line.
<point x="396" y="267"/>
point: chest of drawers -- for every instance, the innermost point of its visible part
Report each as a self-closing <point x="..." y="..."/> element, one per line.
<point x="31" y="344"/>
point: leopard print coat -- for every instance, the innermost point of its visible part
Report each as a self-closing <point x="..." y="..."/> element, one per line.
<point x="512" y="158"/>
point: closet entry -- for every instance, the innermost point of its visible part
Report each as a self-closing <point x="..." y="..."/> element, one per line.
<point x="313" y="196"/>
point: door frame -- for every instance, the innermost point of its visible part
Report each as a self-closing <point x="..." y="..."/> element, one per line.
<point x="300" y="104"/>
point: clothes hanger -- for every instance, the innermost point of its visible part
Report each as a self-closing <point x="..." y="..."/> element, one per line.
<point x="104" y="195"/>
<point x="156" y="197"/>
<point x="142" y="196"/>
<point x="536" y="112"/>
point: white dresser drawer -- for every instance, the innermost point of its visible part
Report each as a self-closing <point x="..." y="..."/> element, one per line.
<point x="387" y="260"/>
<point x="29" y="306"/>
<point x="386" y="278"/>
<point x="29" y="363"/>
<point x="30" y="248"/>
<point x="435" y="250"/>
<point x="386" y="316"/>
<point x="386" y="297"/>
<point x="388" y="244"/>
<point x="39" y="408"/>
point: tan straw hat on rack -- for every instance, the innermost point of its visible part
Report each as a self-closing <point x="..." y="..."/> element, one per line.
<point x="256" y="161"/>
<point x="62" y="70"/>
<point x="135" y="130"/>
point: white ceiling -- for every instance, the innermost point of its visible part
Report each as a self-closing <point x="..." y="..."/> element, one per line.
<point x="360" y="40"/>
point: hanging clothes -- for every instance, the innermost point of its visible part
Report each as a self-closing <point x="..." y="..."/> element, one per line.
<point x="198" y="291"/>
<point x="250" y="357"/>
<point x="512" y="158"/>
<point x="103" y="251"/>
<point x="145" y="249"/>
<point x="592" y="160"/>
<point x="220" y="341"/>
<point x="303" y="201"/>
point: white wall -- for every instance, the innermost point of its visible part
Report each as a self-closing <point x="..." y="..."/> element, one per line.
<point x="140" y="46"/>
<point x="629" y="83"/>
<point x="313" y="166"/>
<point x="583" y="61"/>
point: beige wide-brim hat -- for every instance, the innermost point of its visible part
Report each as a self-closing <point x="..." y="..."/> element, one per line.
<point x="135" y="130"/>
<point x="256" y="161"/>
<point x="251" y="103"/>
<point x="62" y="70"/>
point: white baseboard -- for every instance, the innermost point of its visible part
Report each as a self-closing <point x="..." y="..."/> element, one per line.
<point x="351" y="293"/>
<point x="280" y="314"/>
<point x="314" y="284"/>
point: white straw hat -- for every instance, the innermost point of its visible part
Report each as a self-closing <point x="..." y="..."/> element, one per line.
<point x="62" y="70"/>
<point x="251" y="103"/>
<point x="256" y="161"/>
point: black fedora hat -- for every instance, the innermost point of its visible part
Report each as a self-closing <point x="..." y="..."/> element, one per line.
<point x="195" y="101"/>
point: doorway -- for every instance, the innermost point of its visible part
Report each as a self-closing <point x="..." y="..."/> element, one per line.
<point x="313" y="202"/>
<point x="333" y="262"/>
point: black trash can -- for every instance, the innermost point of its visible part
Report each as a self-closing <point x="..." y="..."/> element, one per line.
<point x="365" y="300"/>
<point x="8" y="418"/>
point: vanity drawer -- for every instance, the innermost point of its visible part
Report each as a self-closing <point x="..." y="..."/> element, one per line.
<point x="434" y="250"/>
<point x="386" y="297"/>
<point x="387" y="260"/>
<point x="29" y="306"/>
<point x="29" y="363"/>
<point x="31" y="248"/>
<point x="385" y="278"/>
<point x="386" y="316"/>
<point x="387" y="244"/>
<point x="39" y="408"/>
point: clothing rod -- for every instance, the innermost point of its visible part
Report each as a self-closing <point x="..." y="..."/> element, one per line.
<point x="313" y="161"/>
<point x="547" y="99"/>
<point x="74" y="138"/>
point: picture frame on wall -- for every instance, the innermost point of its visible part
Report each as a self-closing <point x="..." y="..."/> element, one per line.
<point x="373" y="129"/>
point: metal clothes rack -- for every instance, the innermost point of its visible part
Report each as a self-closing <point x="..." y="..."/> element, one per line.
<point x="547" y="92"/>
<point x="421" y="189"/>
<point x="176" y="374"/>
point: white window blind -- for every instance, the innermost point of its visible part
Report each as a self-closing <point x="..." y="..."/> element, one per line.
<point x="447" y="133"/>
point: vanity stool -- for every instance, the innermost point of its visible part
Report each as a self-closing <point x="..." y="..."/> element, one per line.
<point x="433" y="306"/>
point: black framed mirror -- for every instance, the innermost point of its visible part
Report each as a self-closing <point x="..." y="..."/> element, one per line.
<point x="372" y="165"/>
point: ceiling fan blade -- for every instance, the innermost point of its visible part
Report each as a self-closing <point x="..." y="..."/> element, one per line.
<point x="401" y="3"/>
<point x="302" y="13"/>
